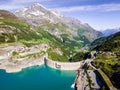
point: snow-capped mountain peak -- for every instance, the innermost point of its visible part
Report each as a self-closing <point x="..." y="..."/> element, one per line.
<point x="38" y="6"/>
<point x="38" y="13"/>
<point x="54" y="22"/>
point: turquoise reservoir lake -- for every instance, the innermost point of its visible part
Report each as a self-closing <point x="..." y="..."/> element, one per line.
<point x="37" y="78"/>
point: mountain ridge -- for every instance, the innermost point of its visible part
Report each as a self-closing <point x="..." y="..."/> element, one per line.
<point x="68" y="35"/>
<point x="48" y="19"/>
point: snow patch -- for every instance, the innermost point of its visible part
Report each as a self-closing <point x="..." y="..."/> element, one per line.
<point x="37" y="13"/>
<point x="40" y="5"/>
<point x="56" y="13"/>
<point x="24" y="9"/>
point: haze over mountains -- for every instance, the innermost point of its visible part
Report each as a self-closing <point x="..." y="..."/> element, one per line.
<point x="108" y="32"/>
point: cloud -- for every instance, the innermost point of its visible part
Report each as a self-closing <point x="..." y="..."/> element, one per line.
<point x="101" y="8"/>
<point x="26" y="1"/>
<point x="10" y="7"/>
<point x="17" y="4"/>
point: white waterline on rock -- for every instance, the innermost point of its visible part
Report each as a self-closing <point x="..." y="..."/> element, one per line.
<point x="73" y="85"/>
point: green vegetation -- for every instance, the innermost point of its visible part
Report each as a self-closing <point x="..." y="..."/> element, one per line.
<point x="35" y="37"/>
<point x="35" y="55"/>
<point x="56" y="57"/>
<point x="112" y="44"/>
<point x="82" y="37"/>
<point x="87" y="35"/>
<point x="38" y="36"/>
<point x="81" y="31"/>
<point x="97" y="42"/>
<point x="14" y="53"/>
<point x="108" y="62"/>
<point x="108" y="58"/>
<point x="80" y="56"/>
<point x="60" y="26"/>
<point x="16" y="30"/>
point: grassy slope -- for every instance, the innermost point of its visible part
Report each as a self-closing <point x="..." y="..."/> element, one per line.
<point x="112" y="43"/>
<point x="109" y="57"/>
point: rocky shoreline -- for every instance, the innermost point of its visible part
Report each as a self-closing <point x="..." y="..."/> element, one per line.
<point x="19" y="64"/>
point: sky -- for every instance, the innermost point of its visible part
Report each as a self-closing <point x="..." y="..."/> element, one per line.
<point x="100" y="14"/>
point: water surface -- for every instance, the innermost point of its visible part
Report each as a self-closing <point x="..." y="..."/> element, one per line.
<point x="37" y="78"/>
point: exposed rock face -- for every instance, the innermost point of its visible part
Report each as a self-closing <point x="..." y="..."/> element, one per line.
<point x="7" y="15"/>
<point x="38" y="14"/>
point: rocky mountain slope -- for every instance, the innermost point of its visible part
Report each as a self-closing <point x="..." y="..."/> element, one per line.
<point x="37" y="25"/>
<point x="56" y="23"/>
<point x="13" y="30"/>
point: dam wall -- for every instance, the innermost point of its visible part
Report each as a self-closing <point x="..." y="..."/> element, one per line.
<point x="62" y="65"/>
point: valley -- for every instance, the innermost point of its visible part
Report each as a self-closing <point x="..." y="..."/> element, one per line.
<point x="35" y="35"/>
